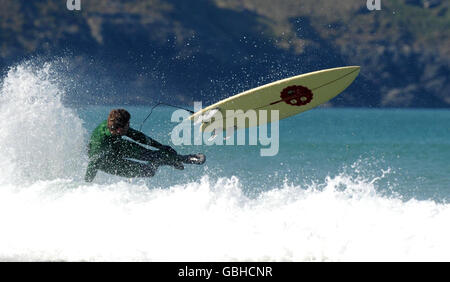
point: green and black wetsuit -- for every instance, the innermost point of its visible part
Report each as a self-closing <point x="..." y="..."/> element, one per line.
<point x="111" y="154"/>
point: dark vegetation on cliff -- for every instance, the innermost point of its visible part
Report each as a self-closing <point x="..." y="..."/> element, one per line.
<point x="136" y="52"/>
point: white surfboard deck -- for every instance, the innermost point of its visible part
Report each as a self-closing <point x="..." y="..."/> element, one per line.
<point x="289" y="96"/>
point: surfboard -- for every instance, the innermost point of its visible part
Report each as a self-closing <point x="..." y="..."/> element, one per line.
<point x="289" y="96"/>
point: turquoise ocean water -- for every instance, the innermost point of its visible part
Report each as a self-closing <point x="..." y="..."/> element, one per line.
<point x="345" y="185"/>
<point x="404" y="153"/>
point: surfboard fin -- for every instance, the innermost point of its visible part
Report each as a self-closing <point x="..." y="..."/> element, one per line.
<point x="213" y="136"/>
<point x="206" y="116"/>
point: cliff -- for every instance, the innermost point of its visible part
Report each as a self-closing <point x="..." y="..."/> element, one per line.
<point x="136" y="52"/>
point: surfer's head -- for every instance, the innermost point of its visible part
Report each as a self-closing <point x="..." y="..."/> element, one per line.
<point x="119" y="121"/>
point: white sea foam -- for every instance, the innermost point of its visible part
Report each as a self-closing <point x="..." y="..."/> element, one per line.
<point x="39" y="137"/>
<point x="214" y="221"/>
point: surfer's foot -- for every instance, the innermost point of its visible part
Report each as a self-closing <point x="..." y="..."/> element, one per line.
<point x="194" y="159"/>
<point x="178" y="165"/>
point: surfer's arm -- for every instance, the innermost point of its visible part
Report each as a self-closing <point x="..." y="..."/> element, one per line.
<point x="91" y="170"/>
<point x="144" y="139"/>
<point x="157" y="145"/>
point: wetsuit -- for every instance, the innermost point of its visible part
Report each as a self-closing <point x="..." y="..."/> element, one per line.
<point x="111" y="153"/>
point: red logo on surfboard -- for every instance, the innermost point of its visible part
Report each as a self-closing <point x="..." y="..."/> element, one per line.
<point x="295" y="95"/>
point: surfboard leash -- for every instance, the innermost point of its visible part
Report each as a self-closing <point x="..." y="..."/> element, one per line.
<point x="159" y="104"/>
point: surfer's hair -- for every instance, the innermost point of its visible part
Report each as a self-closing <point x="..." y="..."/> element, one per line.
<point x="118" y="118"/>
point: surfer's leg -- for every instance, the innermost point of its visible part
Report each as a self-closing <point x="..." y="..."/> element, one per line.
<point x="128" y="168"/>
<point x="158" y="158"/>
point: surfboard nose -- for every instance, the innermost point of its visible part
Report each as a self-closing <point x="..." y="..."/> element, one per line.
<point x="347" y="74"/>
<point x="354" y="72"/>
<point x="351" y="69"/>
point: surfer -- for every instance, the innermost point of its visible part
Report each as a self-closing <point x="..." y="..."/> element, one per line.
<point x="110" y="152"/>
